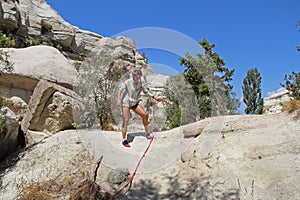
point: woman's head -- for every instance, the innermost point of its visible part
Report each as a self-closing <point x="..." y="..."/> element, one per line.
<point x="137" y="74"/>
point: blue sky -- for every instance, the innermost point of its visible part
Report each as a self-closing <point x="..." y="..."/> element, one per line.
<point x="247" y="34"/>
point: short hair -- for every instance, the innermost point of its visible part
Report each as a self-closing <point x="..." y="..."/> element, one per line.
<point x="137" y="71"/>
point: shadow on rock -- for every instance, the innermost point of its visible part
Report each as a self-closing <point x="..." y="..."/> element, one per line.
<point x="198" y="188"/>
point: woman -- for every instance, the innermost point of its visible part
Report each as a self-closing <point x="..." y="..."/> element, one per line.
<point x="128" y="98"/>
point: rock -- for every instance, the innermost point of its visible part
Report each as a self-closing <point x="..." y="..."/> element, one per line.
<point x="117" y="177"/>
<point x="257" y="159"/>
<point x="10" y="15"/>
<point x="45" y="63"/>
<point x="194" y="129"/>
<point x="274" y="103"/>
<point x="60" y="160"/>
<point x="39" y="22"/>
<point x="50" y="108"/>
<point x="9" y="133"/>
<point x="17" y="105"/>
<point x="33" y="64"/>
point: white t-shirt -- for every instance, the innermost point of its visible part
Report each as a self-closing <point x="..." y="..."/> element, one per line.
<point x="131" y="92"/>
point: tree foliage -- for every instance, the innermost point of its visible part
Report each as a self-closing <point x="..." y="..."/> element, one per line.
<point x="252" y="92"/>
<point x="179" y="92"/>
<point x="5" y="41"/>
<point x="210" y="79"/>
<point x="99" y="76"/>
<point x="292" y="83"/>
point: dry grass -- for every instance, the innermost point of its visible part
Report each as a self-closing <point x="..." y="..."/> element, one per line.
<point x="48" y="190"/>
<point x="293" y="106"/>
<point x="34" y="190"/>
<point x="89" y="190"/>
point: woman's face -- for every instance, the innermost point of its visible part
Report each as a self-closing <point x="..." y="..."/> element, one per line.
<point x="136" y="78"/>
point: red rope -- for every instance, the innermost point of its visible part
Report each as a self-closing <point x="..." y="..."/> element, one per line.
<point x="144" y="154"/>
<point x="138" y="164"/>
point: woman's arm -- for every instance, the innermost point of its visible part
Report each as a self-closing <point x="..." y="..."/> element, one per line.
<point x="119" y="98"/>
<point x="147" y="92"/>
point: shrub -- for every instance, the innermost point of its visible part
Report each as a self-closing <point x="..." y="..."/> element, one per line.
<point x="5" y="41"/>
<point x="46" y="27"/>
<point x="6" y="66"/>
<point x="2" y="124"/>
<point x="292" y="83"/>
<point x="2" y="120"/>
<point x="292" y="106"/>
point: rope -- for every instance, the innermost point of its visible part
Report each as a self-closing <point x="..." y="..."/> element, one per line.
<point x="146" y="150"/>
<point x="139" y="162"/>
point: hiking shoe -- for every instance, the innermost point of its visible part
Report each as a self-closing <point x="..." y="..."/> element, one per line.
<point x="149" y="136"/>
<point x="125" y="143"/>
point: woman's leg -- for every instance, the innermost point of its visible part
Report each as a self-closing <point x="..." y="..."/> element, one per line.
<point x="141" y="112"/>
<point x="126" y="112"/>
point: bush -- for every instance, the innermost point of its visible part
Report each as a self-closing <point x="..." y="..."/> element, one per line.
<point x="2" y="120"/>
<point x="5" y="65"/>
<point x="180" y="94"/>
<point x="2" y="124"/>
<point x="292" y="106"/>
<point x="292" y="84"/>
<point x="6" y="42"/>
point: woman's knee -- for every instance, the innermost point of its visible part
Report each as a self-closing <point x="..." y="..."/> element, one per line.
<point x="125" y="120"/>
<point x="144" y="116"/>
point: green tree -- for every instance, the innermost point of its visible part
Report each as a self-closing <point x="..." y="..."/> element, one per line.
<point x="99" y="76"/>
<point x="210" y="79"/>
<point x="252" y="92"/>
<point x="292" y="83"/>
<point x="180" y="93"/>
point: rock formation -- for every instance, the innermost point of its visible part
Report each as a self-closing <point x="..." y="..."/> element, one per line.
<point x="275" y="102"/>
<point x="226" y="157"/>
<point x="233" y="157"/>
<point x="45" y="75"/>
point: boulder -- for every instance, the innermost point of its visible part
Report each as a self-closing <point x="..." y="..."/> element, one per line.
<point x="274" y="103"/>
<point x="117" y="177"/>
<point x="9" y="15"/>
<point x="194" y="129"/>
<point x="33" y="64"/>
<point x="8" y="133"/>
<point x="50" y="108"/>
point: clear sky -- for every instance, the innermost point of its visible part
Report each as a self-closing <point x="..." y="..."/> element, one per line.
<point x="247" y="34"/>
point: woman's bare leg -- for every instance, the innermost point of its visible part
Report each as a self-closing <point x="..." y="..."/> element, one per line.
<point x="141" y="112"/>
<point x="126" y="112"/>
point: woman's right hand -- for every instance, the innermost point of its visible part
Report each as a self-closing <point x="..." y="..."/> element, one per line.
<point x="119" y="102"/>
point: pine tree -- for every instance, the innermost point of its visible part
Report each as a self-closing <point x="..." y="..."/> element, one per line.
<point x="292" y="83"/>
<point x="180" y="93"/>
<point x="252" y="92"/>
<point x="210" y="82"/>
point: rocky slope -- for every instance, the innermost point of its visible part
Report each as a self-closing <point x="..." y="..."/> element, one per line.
<point x="230" y="157"/>
<point x="234" y="157"/>
<point x="45" y="75"/>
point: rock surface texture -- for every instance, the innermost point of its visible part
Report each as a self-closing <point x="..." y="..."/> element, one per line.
<point x="247" y="157"/>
